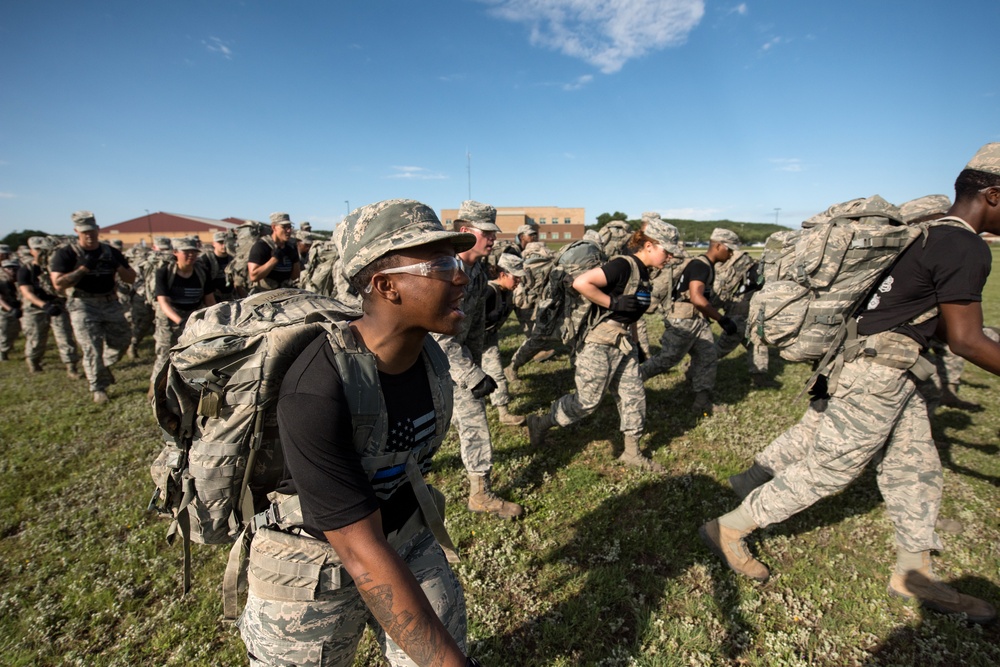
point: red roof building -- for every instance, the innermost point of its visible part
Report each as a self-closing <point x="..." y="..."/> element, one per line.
<point x="173" y="225"/>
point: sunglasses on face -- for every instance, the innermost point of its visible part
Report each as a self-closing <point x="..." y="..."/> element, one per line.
<point x="442" y="268"/>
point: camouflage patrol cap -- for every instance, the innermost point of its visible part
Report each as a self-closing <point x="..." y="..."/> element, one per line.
<point x="10" y="263"/>
<point x="117" y="243"/>
<point x="528" y="230"/>
<point x="306" y="226"/>
<point x="162" y="243"/>
<point x="280" y="219"/>
<point x="4" y="248"/>
<point x="726" y="237"/>
<point x="986" y="159"/>
<point x="375" y="230"/>
<point x="924" y="207"/>
<point x="481" y="216"/>
<point x="219" y="237"/>
<point x="649" y="215"/>
<point x="84" y="221"/>
<point x="39" y="243"/>
<point x="184" y="243"/>
<point x="665" y="234"/>
<point x="511" y="264"/>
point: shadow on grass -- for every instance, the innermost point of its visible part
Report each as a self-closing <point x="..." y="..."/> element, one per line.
<point x="945" y="640"/>
<point x="955" y="420"/>
<point x="618" y="566"/>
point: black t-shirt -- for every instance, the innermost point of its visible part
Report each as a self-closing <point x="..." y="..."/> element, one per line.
<point x="219" y="283"/>
<point x="316" y="429"/>
<point x="29" y="275"/>
<point x="261" y="253"/>
<point x="99" y="281"/>
<point x="697" y="270"/>
<point x="952" y="266"/>
<point x="617" y="273"/>
<point x="184" y="293"/>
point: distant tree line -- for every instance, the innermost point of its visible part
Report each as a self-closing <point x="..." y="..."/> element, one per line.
<point x="699" y="231"/>
<point x="15" y="239"/>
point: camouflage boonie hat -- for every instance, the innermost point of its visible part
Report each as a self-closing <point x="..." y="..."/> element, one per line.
<point x="219" y="237"/>
<point x="280" y="219"/>
<point x="375" y="230"/>
<point x="665" y="234"/>
<point x="986" y="159"/>
<point x="162" y="243"/>
<point x="923" y="207"/>
<point x="528" y="230"/>
<point x="185" y="243"/>
<point x="726" y="237"/>
<point x="481" y="216"/>
<point x="117" y="243"/>
<point x="39" y="243"/>
<point x="511" y="264"/>
<point x="84" y="221"/>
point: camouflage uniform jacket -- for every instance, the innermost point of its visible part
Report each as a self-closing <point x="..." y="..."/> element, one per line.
<point x="465" y="349"/>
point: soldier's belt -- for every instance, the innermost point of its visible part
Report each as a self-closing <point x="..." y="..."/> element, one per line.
<point x="888" y="348"/>
<point x="684" y="310"/>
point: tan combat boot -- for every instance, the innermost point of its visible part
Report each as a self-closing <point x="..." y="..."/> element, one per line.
<point x="509" y="419"/>
<point x="726" y="541"/>
<point x="511" y="374"/>
<point x="100" y="397"/>
<point x="482" y="499"/>
<point x="914" y="578"/>
<point x="538" y="426"/>
<point x="748" y="480"/>
<point x="71" y="371"/>
<point x="632" y="456"/>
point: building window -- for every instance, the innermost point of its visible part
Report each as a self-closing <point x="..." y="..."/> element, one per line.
<point x="566" y="221"/>
<point x="542" y="236"/>
<point x="567" y="235"/>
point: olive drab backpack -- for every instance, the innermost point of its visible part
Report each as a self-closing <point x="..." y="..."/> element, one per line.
<point x="816" y="278"/>
<point x="319" y="273"/>
<point x="215" y="402"/>
<point x="538" y="260"/>
<point x="561" y="310"/>
<point x="729" y="277"/>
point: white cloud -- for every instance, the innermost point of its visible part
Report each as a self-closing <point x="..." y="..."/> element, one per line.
<point x="216" y="45"/>
<point x="416" y="174"/>
<point x="788" y="164"/>
<point x="770" y="43"/>
<point x="740" y="9"/>
<point x="580" y="82"/>
<point x="7" y="195"/>
<point x="604" y="33"/>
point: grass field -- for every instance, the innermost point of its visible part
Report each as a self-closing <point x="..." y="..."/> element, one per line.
<point x="605" y="569"/>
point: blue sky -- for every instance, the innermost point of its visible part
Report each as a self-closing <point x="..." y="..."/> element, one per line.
<point x="692" y="108"/>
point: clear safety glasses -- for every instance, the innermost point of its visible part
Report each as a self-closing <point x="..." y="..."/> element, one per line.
<point x="442" y="268"/>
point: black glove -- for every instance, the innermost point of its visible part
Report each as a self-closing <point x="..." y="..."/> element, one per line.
<point x="52" y="309"/>
<point x="728" y="325"/>
<point x="91" y="262"/>
<point x="819" y="390"/>
<point x="280" y="253"/>
<point x="625" y="303"/>
<point x="484" y="388"/>
<point x="17" y="313"/>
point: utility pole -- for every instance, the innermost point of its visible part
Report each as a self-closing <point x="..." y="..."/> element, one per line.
<point x="776" y="211"/>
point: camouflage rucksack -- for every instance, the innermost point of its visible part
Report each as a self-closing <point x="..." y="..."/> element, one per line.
<point x="614" y="237"/>
<point x="319" y="273"/>
<point x="147" y="269"/>
<point x="215" y="402"/>
<point x="561" y="310"/>
<point x="538" y="262"/>
<point x="816" y="277"/>
<point x="729" y="277"/>
<point x="246" y="236"/>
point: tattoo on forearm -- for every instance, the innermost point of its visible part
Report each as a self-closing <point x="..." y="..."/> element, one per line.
<point x="414" y="635"/>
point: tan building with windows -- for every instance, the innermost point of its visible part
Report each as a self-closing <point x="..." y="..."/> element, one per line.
<point x="556" y="225"/>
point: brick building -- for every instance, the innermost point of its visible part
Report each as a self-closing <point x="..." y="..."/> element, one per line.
<point x="174" y="225"/>
<point x="555" y="225"/>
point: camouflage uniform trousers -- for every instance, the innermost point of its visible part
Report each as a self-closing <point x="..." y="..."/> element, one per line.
<point x="103" y="334"/>
<point x="141" y="317"/>
<point x="601" y="368"/>
<point x="531" y="346"/>
<point x="10" y="326"/>
<point x="473" y="430"/>
<point x="165" y="336"/>
<point x="757" y="357"/>
<point x="680" y="337"/>
<point x="875" y="413"/>
<point x="36" y="323"/>
<point x="325" y="631"/>
<point x="493" y="366"/>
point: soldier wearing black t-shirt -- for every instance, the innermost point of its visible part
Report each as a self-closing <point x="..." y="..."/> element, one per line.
<point x="874" y="410"/>
<point x="215" y="260"/>
<point x="44" y="310"/>
<point x="10" y="307"/>
<point x="273" y="261"/>
<point x="86" y="271"/>
<point x="686" y="326"/>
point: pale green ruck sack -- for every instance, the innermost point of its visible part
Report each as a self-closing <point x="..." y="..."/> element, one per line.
<point x="561" y="311"/>
<point x="816" y="277"/>
<point x="319" y="274"/>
